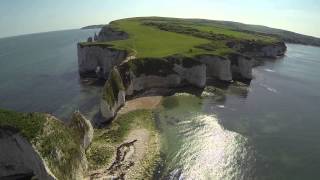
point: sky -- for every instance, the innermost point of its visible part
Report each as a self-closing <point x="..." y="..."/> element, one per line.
<point x="31" y="16"/>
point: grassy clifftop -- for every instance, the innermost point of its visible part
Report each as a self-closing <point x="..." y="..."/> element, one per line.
<point x="148" y="41"/>
<point x="155" y="37"/>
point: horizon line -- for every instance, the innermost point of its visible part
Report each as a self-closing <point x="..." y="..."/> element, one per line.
<point x="79" y="28"/>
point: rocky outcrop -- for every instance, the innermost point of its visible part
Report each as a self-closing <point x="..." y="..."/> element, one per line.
<point x="217" y="67"/>
<point x="256" y="49"/>
<point x="113" y="96"/>
<point x="232" y="67"/>
<point x="83" y="126"/>
<point x="19" y="159"/>
<point x="194" y="75"/>
<point x="181" y="76"/>
<point x="241" y="66"/>
<point x="98" y="60"/>
<point x="274" y="50"/>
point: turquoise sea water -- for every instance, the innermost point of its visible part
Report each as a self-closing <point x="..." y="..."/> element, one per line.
<point x="268" y="130"/>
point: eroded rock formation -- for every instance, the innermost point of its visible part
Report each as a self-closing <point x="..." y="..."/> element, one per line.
<point x="82" y="125"/>
<point x="113" y="96"/>
<point x="98" y="60"/>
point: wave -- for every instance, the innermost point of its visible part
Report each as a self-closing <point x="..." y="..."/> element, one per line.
<point x="269" y="70"/>
<point x="269" y="88"/>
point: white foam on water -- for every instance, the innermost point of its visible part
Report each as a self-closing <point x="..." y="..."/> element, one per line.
<point x="269" y="70"/>
<point x="221" y="106"/>
<point x="269" y="88"/>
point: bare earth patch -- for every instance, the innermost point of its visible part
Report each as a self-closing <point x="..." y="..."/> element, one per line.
<point x="128" y="156"/>
<point x="141" y="103"/>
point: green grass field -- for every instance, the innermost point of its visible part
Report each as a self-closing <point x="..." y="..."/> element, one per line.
<point x="234" y="34"/>
<point x="155" y="37"/>
<point x="148" y="41"/>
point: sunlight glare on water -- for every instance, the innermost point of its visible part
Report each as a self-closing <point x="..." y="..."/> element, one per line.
<point x="211" y="151"/>
<point x="200" y="148"/>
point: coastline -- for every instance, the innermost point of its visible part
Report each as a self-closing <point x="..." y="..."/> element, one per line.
<point x="136" y="136"/>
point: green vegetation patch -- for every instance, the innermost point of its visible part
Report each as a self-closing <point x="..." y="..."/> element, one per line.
<point x="156" y="37"/>
<point x="107" y="139"/>
<point x="60" y="146"/>
<point x="148" y="41"/>
<point x="112" y="87"/>
<point x="29" y="125"/>
<point x="219" y="37"/>
<point x="234" y="34"/>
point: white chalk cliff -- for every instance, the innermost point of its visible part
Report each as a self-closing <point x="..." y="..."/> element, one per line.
<point x="98" y="61"/>
<point x="18" y="158"/>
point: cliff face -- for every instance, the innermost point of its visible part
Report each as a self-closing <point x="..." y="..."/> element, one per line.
<point x="274" y="50"/>
<point x="98" y="61"/>
<point x="217" y="67"/>
<point x="194" y="76"/>
<point x="139" y="75"/>
<point x="18" y="158"/>
<point x="241" y="66"/>
<point x="259" y="50"/>
<point x="233" y="67"/>
<point x="38" y="145"/>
